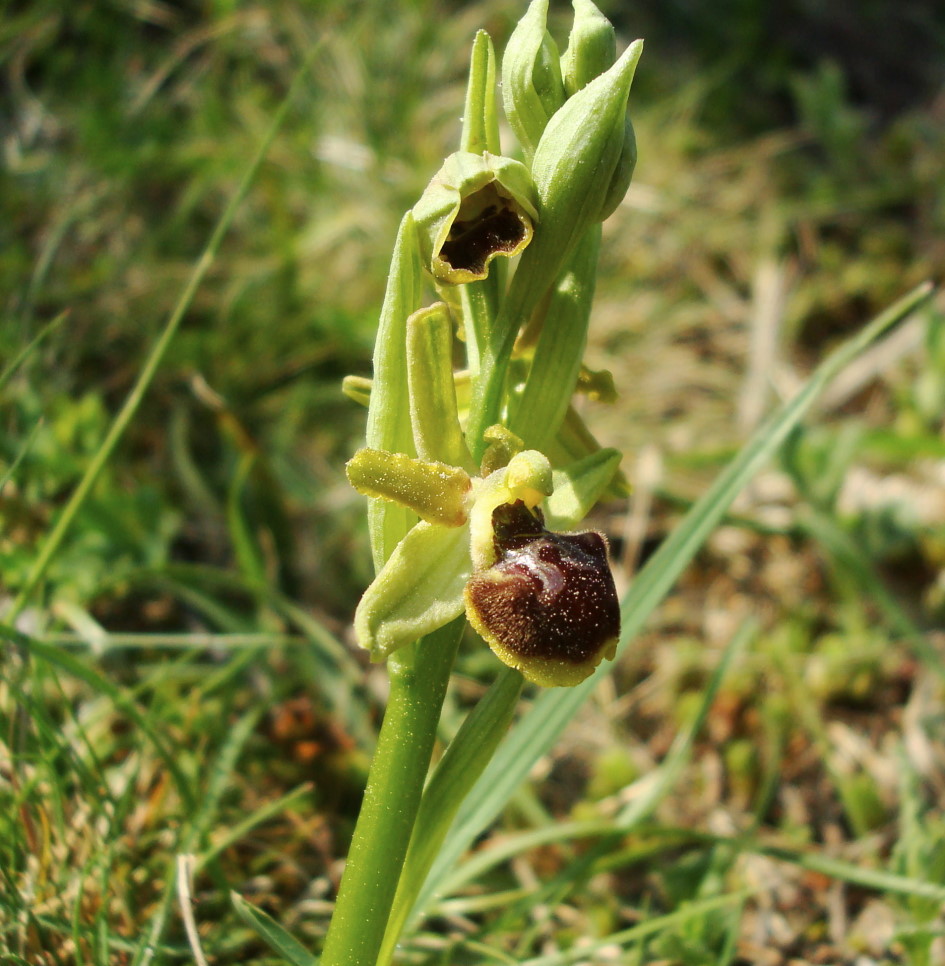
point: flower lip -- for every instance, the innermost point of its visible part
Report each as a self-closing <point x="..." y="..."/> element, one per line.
<point x="548" y="606"/>
<point x="473" y="243"/>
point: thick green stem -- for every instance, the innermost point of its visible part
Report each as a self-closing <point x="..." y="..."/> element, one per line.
<point x="418" y="678"/>
<point x="457" y="771"/>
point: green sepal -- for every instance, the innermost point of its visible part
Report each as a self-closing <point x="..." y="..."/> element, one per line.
<point x="418" y="590"/>
<point x="434" y="417"/>
<point x="480" y="121"/>
<point x="476" y="301"/>
<point x="476" y="207"/>
<point x="578" y="487"/>
<point x="434" y="491"/>
<point x="623" y="173"/>
<point x="592" y="47"/>
<point x="537" y="413"/>
<point x="388" y="422"/>
<point x="532" y="88"/>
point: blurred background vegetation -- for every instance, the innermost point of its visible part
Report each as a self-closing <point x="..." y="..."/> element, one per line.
<point x="790" y="185"/>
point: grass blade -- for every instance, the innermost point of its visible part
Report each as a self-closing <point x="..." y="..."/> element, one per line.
<point x="277" y="938"/>
<point x="848" y="553"/>
<point x="655" y="787"/>
<point x="218" y="781"/>
<point x="100" y="684"/>
<point x="651" y="927"/>
<point x="539" y="729"/>
<point x="134" y="399"/>
<point x="29" y="349"/>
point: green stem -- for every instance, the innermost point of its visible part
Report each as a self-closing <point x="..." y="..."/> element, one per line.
<point x="485" y="406"/>
<point x="457" y="771"/>
<point x="418" y="678"/>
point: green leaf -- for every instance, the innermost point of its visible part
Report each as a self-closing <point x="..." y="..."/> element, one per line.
<point x="278" y="939"/>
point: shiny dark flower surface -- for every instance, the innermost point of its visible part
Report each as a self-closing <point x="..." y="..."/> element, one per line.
<point x="548" y="605"/>
<point x="472" y="243"/>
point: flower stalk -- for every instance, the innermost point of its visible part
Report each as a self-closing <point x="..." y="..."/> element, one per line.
<point x="467" y="512"/>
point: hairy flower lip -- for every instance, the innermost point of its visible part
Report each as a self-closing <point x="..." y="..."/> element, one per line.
<point x="472" y="244"/>
<point x="548" y="606"/>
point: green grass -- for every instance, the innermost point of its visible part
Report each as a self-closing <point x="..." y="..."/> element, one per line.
<point x="180" y="680"/>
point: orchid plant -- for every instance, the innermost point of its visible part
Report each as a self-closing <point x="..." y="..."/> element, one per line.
<point x="476" y="476"/>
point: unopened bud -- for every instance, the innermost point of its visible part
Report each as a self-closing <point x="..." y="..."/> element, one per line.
<point x="623" y="173"/>
<point x="592" y="47"/>
<point x="532" y="88"/>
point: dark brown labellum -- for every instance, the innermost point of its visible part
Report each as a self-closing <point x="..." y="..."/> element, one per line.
<point x="470" y="244"/>
<point x="548" y="606"/>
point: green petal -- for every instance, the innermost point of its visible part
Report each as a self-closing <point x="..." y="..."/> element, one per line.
<point x="419" y="589"/>
<point x="358" y="389"/>
<point x="434" y="491"/>
<point x="578" y="487"/>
